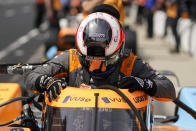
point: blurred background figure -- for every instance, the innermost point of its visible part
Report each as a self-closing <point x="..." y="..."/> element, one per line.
<point x="61" y="33"/>
<point x="190" y="40"/>
<point x="140" y="11"/>
<point x="191" y="7"/>
<point x="70" y="19"/>
<point x="75" y="7"/>
<point x="65" y="7"/>
<point x="150" y="7"/>
<point x="174" y="10"/>
<point x="70" y="7"/>
<point x="53" y="8"/>
<point x="88" y="5"/>
<point x="39" y="13"/>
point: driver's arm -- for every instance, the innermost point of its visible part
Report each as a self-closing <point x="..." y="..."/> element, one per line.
<point x="165" y="88"/>
<point x="55" y="66"/>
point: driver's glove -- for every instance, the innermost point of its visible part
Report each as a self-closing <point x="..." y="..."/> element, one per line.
<point x="134" y="83"/>
<point x="51" y="85"/>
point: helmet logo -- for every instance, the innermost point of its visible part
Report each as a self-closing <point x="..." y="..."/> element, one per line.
<point x="97" y="35"/>
<point x="115" y="38"/>
<point x="94" y="58"/>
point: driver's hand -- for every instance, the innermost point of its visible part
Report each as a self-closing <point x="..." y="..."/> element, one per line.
<point x="52" y="86"/>
<point x="134" y="83"/>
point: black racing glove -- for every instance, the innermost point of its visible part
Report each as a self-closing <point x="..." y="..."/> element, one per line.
<point x="134" y="83"/>
<point x="51" y="85"/>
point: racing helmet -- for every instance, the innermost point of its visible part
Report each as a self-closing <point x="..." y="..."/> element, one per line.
<point x="100" y="43"/>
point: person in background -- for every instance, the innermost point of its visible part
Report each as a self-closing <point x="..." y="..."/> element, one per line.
<point x="140" y="11"/>
<point x="70" y="7"/>
<point x="40" y="13"/>
<point x="174" y="10"/>
<point x="191" y="8"/>
<point x="100" y="58"/>
<point x="52" y="9"/>
<point x="150" y="7"/>
<point x="88" y="5"/>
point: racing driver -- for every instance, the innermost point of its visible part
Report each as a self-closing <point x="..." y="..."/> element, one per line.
<point x="99" y="59"/>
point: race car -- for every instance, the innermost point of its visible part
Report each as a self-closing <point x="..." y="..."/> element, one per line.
<point x="104" y="108"/>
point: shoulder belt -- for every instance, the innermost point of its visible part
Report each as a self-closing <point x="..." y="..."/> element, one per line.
<point x="74" y="62"/>
<point x="127" y="64"/>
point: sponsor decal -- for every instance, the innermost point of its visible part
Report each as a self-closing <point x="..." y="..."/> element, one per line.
<point x="100" y="109"/>
<point x="140" y="81"/>
<point x="116" y="37"/>
<point x="105" y="110"/>
<point x="84" y="86"/>
<point x="66" y="99"/>
<point x="106" y="124"/>
<point x="16" y="129"/>
<point x="78" y="123"/>
<point x="97" y="35"/>
<point x="108" y="100"/>
<point x="140" y="98"/>
<point x="95" y="58"/>
<point x="75" y="98"/>
<point x="105" y="100"/>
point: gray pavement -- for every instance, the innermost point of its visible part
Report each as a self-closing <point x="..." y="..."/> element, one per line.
<point x="156" y="52"/>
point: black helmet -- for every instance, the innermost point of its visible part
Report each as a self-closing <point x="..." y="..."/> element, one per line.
<point x="100" y="38"/>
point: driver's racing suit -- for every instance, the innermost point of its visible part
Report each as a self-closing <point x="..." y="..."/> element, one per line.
<point x="67" y="65"/>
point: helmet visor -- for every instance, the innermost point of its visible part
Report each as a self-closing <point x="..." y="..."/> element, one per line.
<point x="95" y="51"/>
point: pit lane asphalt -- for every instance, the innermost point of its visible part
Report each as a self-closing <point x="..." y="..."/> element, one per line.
<point x="16" y="27"/>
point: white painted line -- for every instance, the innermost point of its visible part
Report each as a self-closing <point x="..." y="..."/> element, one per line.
<point x="23" y="40"/>
<point x="19" y="42"/>
<point x="33" y="33"/>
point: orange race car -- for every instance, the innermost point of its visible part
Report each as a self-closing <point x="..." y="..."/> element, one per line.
<point x="104" y="108"/>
